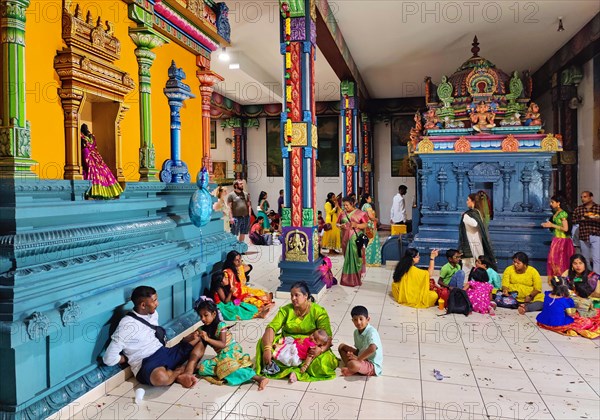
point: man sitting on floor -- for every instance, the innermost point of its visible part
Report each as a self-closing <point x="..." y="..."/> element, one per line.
<point x="140" y="341"/>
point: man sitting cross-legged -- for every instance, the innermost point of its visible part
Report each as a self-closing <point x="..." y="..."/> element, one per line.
<point x="137" y="341"/>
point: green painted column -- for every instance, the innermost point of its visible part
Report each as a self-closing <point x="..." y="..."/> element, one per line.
<point x="146" y="39"/>
<point x="15" y="136"/>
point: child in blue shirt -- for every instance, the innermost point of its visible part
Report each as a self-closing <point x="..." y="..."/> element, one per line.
<point x="366" y="357"/>
<point x="483" y="261"/>
<point x="555" y="302"/>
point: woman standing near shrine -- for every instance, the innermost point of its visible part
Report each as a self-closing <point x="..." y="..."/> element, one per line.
<point x="220" y="205"/>
<point x="331" y="237"/>
<point x="104" y="183"/>
<point x="561" y="248"/>
<point x="373" y="253"/>
<point x="352" y="221"/>
<point x="473" y="239"/>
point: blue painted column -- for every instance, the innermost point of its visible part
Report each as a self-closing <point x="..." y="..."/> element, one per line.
<point x="175" y="170"/>
<point x="300" y="258"/>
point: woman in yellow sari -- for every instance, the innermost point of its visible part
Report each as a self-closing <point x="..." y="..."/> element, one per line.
<point x="332" y="238"/>
<point x="411" y="284"/>
<point x="236" y="272"/>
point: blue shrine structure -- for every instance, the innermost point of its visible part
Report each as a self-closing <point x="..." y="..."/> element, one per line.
<point x="481" y="134"/>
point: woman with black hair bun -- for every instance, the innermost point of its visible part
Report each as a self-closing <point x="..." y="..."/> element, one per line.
<point x="299" y="319"/>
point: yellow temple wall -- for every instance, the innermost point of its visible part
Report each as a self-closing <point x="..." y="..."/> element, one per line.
<point x="44" y="111"/>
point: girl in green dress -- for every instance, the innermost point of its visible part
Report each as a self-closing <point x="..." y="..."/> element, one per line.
<point x="231" y="365"/>
<point x="298" y="319"/>
<point x="373" y="251"/>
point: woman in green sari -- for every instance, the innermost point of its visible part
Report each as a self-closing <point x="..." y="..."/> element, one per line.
<point x="352" y="222"/>
<point x="373" y="252"/>
<point x="298" y="319"/>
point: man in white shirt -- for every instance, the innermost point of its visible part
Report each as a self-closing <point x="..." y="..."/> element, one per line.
<point x="398" y="213"/>
<point x="136" y="341"/>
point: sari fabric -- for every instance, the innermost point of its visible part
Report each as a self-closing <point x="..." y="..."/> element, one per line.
<point x="331" y="238"/>
<point x="373" y="252"/>
<point x="256" y="297"/>
<point x="561" y="248"/>
<point x="583" y="326"/>
<point x="231" y="365"/>
<point x="104" y="183"/>
<point x="354" y="264"/>
<point x="413" y="289"/>
<point x="287" y="324"/>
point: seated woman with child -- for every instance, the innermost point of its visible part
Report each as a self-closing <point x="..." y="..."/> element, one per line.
<point x="411" y="284"/>
<point x="299" y="320"/>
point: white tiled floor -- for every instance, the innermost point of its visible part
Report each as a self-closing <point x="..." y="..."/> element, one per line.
<point x="501" y="367"/>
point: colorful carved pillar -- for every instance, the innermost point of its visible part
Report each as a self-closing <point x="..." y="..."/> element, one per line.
<point x="146" y="39"/>
<point x="175" y="170"/>
<point x="15" y="137"/>
<point x="349" y="114"/>
<point x="368" y="155"/>
<point x="564" y="89"/>
<point x="300" y="253"/>
<point x="238" y="163"/>
<point x="208" y="79"/>
<point x="239" y="140"/>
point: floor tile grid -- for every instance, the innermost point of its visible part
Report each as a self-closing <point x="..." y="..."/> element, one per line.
<point x="552" y="341"/>
<point x="479" y="387"/>
<point x="541" y="397"/>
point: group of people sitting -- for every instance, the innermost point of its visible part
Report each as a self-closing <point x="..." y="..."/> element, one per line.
<point x="520" y="287"/>
<point x="296" y="344"/>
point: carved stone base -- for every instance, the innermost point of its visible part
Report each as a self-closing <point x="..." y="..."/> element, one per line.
<point x="15" y="152"/>
<point x="292" y="271"/>
<point x="148" y="175"/>
<point x="11" y="167"/>
<point x="175" y="171"/>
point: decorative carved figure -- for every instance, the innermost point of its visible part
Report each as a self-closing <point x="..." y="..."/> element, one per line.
<point x="532" y="117"/>
<point x="104" y="184"/>
<point x="482" y="118"/>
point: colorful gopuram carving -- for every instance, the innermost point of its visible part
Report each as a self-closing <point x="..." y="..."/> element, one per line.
<point x="482" y="133"/>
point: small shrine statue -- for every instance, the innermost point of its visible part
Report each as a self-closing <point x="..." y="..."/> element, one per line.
<point x="432" y="122"/>
<point x="104" y="184"/>
<point x="483" y="117"/>
<point x="532" y="117"/>
<point x="415" y="133"/>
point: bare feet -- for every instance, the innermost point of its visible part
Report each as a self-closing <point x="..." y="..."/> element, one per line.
<point x="293" y="377"/>
<point x="346" y="372"/>
<point x="521" y="309"/>
<point x="186" y="380"/>
<point x="262" y="383"/>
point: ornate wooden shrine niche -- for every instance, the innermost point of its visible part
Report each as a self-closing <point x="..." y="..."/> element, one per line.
<point x="93" y="89"/>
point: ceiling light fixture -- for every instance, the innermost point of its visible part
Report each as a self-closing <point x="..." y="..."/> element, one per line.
<point x="234" y="66"/>
<point x="560" y="25"/>
<point x="223" y="56"/>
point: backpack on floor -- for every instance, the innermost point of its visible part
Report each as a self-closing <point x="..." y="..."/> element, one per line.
<point x="458" y="302"/>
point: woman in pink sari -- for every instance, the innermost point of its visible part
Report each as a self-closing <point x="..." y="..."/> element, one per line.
<point x="104" y="183"/>
<point x="561" y="247"/>
<point x="352" y="221"/>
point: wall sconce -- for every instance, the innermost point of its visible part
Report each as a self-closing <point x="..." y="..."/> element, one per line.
<point x="561" y="28"/>
<point x="223" y="56"/>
